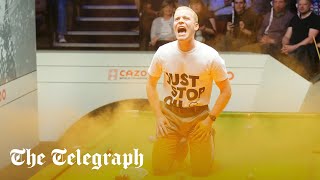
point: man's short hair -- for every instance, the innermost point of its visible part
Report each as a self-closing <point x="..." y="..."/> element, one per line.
<point x="189" y="9"/>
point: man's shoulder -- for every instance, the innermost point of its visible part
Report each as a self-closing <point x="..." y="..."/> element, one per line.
<point x="285" y="16"/>
<point x="289" y="13"/>
<point x="207" y="52"/>
<point x="295" y="18"/>
<point x="168" y="45"/>
<point x="206" y="48"/>
<point x="314" y="17"/>
<point x="267" y="15"/>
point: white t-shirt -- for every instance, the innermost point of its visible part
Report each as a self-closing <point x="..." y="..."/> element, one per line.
<point x="188" y="76"/>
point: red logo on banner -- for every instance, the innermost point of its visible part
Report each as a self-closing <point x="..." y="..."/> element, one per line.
<point x="127" y="74"/>
<point x="231" y="75"/>
<point x="3" y="95"/>
<point x="113" y="74"/>
<point x="133" y="73"/>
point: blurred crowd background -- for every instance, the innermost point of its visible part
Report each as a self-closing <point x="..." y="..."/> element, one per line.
<point x="288" y="30"/>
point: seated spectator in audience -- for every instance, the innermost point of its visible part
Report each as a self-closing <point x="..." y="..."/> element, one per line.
<point x="162" y="27"/>
<point x="298" y="40"/>
<point x="241" y="28"/>
<point x="62" y="22"/>
<point x="273" y="28"/>
<point x="222" y="9"/>
<point x="149" y="11"/>
<point x="207" y="25"/>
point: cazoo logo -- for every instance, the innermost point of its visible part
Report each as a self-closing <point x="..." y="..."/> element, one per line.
<point x="3" y="95"/>
<point x="118" y="74"/>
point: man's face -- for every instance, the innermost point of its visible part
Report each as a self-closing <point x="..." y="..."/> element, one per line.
<point x="239" y="6"/>
<point x="184" y="24"/>
<point x="304" y="6"/>
<point x="279" y="5"/>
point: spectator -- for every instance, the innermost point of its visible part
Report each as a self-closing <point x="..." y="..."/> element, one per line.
<point x="162" y="27"/>
<point x="207" y="25"/>
<point x="62" y="21"/>
<point x="273" y="28"/>
<point x="241" y="27"/>
<point x="298" y="40"/>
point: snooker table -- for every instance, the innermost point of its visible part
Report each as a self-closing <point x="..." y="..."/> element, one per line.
<point x="247" y="145"/>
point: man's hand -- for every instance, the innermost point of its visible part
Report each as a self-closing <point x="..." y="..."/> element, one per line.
<point x="153" y="41"/>
<point x="267" y="40"/>
<point x="241" y="26"/>
<point x="202" y="130"/>
<point x="162" y="124"/>
<point x="286" y="49"/>
<point x="230" y="26"/>
<point x="318" y="45"/>
<point x="243" y="29"/>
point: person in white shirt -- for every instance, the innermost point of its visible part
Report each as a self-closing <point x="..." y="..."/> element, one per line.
<point x="162" y="27"/>
<point x="183" y="117"/>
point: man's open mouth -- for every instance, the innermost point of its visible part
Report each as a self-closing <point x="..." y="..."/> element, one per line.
<point x="182" y="30"/>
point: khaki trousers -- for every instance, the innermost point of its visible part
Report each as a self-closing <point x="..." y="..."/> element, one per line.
<point x="174" y="147"/>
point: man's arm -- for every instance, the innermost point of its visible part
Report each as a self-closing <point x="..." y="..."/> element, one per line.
<point x="308" y="40"/>
<point x="223" y="98"/>
<point x="153" y="97"/>
<point x="153" y="33"/>
<point x="287" y="36"/>
<point x="152" y="94"/>
<point x="262" y="28"/>
<point x="286" y="41"/>
<point x="203" y="128"/>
